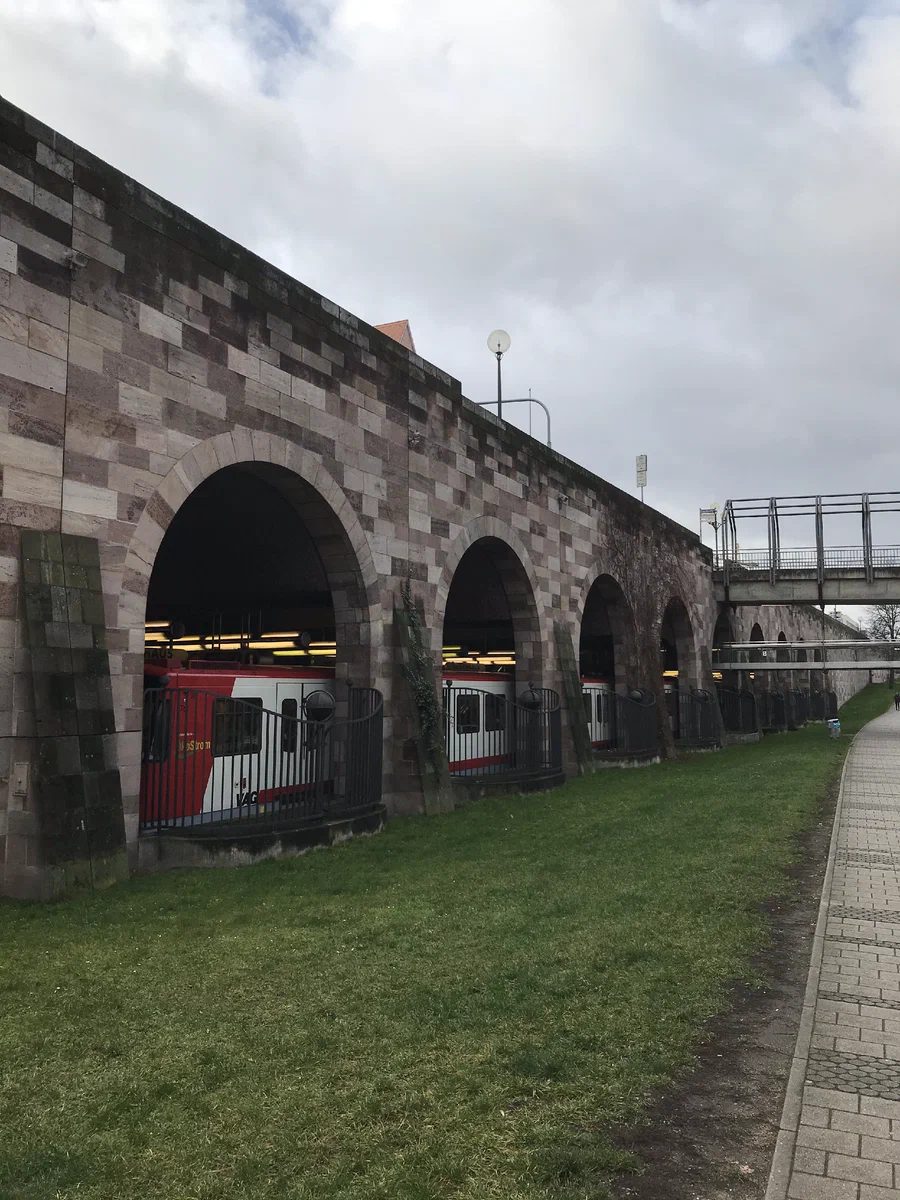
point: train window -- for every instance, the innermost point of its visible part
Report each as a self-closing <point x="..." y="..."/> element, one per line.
<point x="600" y="713"/>
<point x="289" y="727"/>
<point x="237" y="726"/>
<point x="468" y="714"/>
<point x="157" y="727"/>
<point x="586" y="695"/>
<point x="494" y="713"/>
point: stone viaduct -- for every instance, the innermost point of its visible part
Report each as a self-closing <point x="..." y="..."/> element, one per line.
<point x="142" y="353"/>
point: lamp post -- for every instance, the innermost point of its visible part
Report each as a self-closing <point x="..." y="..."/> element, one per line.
<point x="498" y="344"/>
<point x="711" y="517"/>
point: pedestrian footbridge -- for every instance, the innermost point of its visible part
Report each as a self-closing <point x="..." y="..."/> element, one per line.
<point x="856" y="572"/>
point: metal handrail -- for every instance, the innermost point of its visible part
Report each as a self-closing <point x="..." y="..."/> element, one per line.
<point x="523" y="400"/>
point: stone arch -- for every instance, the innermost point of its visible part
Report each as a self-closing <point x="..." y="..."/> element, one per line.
<point x="603" y="608"/>
<point x="520" y="584"/>
<point x="317" y="499"/>
<point x="677" y="635"/>
<point x="782" y="655"/>
<point x="757" y="635"/>
<point x="724" y="633"/>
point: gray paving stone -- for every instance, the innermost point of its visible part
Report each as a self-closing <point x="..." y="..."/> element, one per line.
<point x="851" y="1095"/>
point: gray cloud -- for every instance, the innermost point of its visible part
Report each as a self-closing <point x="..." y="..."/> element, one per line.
<point x="684" y="213"/>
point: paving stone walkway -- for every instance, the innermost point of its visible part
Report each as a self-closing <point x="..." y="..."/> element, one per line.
<point x="840" y="1132"/>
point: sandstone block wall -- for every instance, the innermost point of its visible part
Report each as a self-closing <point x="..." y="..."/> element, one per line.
<point x="141" y="352"/>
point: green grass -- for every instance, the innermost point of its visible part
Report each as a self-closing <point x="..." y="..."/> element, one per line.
<point x="460" y="1007"/>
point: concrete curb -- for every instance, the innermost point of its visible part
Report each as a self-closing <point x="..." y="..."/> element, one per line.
<point x="782" y="1159"/>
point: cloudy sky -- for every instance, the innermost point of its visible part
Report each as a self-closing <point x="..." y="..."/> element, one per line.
<point x="685" y="212"/>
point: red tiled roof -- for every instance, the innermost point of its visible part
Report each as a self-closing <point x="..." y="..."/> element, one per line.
<point x="400" y="332"/>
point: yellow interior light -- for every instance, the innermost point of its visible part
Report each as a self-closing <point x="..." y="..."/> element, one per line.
<point x="156" y="625"/>
<point x="264" y="645"/>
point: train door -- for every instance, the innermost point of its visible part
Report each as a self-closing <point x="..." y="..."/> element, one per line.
<point x="465" y="728"/>
<point x="591" y="710"/>
<point x="289" y="751"/>
<point x="240" y="729"/>
<point x="604" y="716"/>
<point x="670" y="688"/>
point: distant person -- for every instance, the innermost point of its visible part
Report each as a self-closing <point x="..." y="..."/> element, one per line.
<point x="896" y="701"/>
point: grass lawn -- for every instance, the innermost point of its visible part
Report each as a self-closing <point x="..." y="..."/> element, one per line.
<point x="459" y="1007"/>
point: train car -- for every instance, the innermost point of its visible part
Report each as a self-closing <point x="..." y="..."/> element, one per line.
<point x="598" y="700"/>
<point x="478" y="717"/>
<point x="222" y="741"/>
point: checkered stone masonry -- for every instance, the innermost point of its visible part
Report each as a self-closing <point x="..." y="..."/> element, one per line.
<point x="141" y="351"/>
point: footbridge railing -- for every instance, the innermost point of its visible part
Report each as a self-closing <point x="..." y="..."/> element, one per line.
<point x="745" y="572"/>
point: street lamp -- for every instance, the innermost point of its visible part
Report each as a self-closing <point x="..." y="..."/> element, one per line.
<point x="711" y="517"/>
<point x="498" y="343"/>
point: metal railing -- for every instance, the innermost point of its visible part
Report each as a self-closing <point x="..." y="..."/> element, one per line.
<point x="218" y="764"/>
<point x="490" y="734"/>
<point x="772" y="711"/>
<point x="632" y="723"/>
<point x="805" y="558"/>
<point x="693" y="716"/>
<point x="738" y="710"/>
<point x="865" y="557"/>
<point x="797" y="707"/>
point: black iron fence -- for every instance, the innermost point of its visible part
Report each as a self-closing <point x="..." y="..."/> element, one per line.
<point x="694" y="717"/>
<point x="772" y="711"/>
<point x="632" y="725"/>
<point x="797" y="707"/>
<point x="738" y="708"/>
<point x="490" y="733"/>
<point x="214" y="763"/>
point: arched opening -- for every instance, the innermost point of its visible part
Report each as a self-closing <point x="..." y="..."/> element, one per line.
<point x="678" y="658"/>
<point x="782" y="655"/>
<point x="256" y="659"/>
<point x="256" y="568"/>
<point x="723" y="633"/>
<point x="606" y="643"/>
<point x="757" y="656"/>
<point x="491" y="620"/>
<point x="498" y="720"/>
<point x="677" y="647"/>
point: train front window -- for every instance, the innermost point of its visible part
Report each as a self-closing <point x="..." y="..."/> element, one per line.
<point x="468" y="715"/>
<point x="289" y="727"/>
<point x="237" y="727"/>
<point x="494" y="713"/>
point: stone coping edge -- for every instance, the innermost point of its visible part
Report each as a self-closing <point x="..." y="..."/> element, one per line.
<point x="780" y="1173"/>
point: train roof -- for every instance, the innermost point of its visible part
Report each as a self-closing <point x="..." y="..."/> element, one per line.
<point x="211" y="669"/>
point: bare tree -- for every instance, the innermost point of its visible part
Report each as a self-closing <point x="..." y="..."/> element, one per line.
<point x="884" y="626"/>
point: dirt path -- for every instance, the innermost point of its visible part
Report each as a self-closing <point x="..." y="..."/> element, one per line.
<point x="712" y="1135"/>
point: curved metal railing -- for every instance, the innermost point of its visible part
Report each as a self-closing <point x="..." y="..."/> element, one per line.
<point x="632" y="724"/>
<point x="490" y="735"/>
<point x="738" y="709"/>
<point x="694" y="718"/>
<point x="214" y="763"/>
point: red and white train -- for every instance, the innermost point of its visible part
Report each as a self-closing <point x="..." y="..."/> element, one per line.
<point x="223" y="740"/>
<point x="478" y="718"/>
